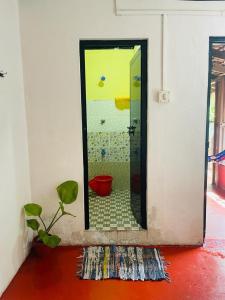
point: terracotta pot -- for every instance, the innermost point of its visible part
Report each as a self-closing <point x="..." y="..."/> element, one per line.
<point x="41" y="250"/>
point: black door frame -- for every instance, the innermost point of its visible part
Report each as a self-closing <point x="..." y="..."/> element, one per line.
<point x="108" y="44"/>
<point x="212" y="40"/>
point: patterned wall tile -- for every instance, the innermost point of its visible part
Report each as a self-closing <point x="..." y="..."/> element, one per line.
<point x="93" y="139"/>
<point x="104" y="139"/>
<point x="108" y="146"/>
<point x="118" y="139"/>
<point x="94" y="154"/>
<point x="119" y="154"/>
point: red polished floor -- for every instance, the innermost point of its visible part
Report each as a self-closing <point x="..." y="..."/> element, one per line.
<point x="215" y="218"/>
<point x="196" y="274"/>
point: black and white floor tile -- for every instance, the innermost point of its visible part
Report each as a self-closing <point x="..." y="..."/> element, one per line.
<point x="112" y="212"/>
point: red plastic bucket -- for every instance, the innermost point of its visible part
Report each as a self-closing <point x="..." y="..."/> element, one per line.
<point x="101" y="185"/>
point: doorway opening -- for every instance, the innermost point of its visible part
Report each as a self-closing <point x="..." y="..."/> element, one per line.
<point x="215" y="142"/>
<point x="114" y="116"/>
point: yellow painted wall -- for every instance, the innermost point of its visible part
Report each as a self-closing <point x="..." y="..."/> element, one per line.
<point x="114" y="64"/>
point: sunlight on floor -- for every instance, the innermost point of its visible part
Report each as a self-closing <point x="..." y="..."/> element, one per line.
<point x="215" y="197"/>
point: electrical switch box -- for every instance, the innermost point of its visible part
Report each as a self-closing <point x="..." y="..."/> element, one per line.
<point x="164" y="96"/>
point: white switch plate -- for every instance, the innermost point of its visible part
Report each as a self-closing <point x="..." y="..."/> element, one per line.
<point x="164" y="96"/>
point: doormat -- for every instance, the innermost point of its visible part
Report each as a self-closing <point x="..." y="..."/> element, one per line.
<point x="122" y="262"/>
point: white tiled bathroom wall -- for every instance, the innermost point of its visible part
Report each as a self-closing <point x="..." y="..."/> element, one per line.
<point x="115" y="119"/>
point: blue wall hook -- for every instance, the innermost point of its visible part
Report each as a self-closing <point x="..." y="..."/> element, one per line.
<point x="103" y="152"/>
<point x="101" y="82"/>
<point x="137" y="78"/>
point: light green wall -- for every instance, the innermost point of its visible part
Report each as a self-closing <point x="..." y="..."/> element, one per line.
<point x="114" y="64"/>
<point x="136" y="71"/>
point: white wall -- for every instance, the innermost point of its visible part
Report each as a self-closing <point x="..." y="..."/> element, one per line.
<point x="115" y="119"/>
<point x="14" y="170"/>
<point x="51" y="30"/>
<point x="170" y="7"/>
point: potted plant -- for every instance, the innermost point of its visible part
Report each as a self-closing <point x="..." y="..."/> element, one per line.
<point x="44" y="240"/>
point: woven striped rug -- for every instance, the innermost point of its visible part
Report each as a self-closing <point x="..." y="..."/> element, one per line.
<point x="123" y="262"/>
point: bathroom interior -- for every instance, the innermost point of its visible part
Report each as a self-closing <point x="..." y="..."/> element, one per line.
<point x="113" y="120"/>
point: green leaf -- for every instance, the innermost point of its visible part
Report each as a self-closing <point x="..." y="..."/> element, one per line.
<point x="33" y="223"/>
<point x="42" y="234"/>
<point x="51" y="241"/>
<point x="68" y="191"/>
<point x="32" y="209"/>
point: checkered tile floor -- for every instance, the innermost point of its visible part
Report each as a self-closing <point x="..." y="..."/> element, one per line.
<point x="112" y="212"/>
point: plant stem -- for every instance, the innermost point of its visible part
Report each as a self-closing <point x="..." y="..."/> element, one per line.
<point x="42" y="223"/>
<point x="52" y="221"/>
<point x="38" y="238"/>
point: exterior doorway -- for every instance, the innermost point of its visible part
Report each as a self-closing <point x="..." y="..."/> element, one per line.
<point x="215" y="142"/>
